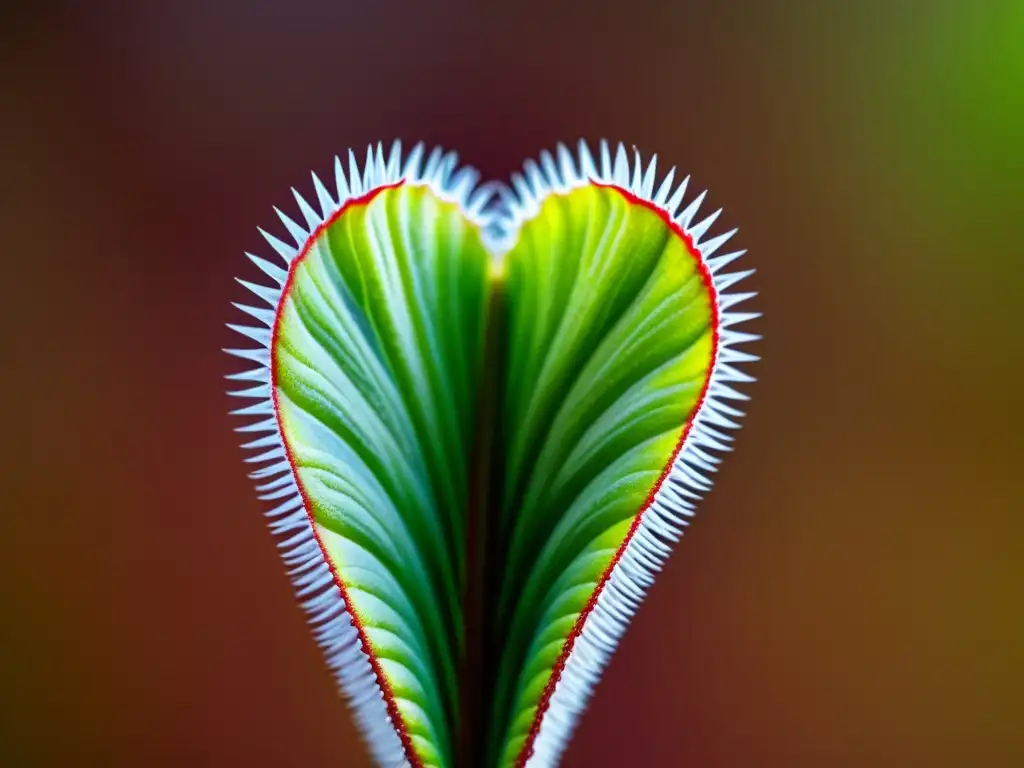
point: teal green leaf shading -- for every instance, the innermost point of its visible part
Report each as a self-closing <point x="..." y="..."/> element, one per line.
<point x="483" y="428"/>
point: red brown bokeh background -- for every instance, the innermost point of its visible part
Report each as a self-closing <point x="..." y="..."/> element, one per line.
<point x="851" y="594"/>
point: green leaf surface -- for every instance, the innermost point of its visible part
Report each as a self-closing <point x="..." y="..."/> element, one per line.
<point x="377" y="356"/>
<point x="609" y="350"/>
<point x="483" y="429"/>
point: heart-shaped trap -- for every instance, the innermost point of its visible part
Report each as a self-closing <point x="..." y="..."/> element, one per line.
<point x="484" y="414"/>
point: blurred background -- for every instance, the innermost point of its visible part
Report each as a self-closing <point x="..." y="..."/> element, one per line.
<point x="852" y="593"/>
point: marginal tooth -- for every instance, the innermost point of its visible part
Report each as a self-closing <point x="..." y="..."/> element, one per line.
<point x="462" y="184"/>
<point x="272" y="271"/>
<point x="730" y="300"/>
<point x="717" y="404"/>
<point x="677" y="197"/>
<point x="718" y="262"/>
<point x="433" y="161"/>
<point x="274" y="453"/>
<point x="666" y="185"/>
<point x="606" y="162"/>
<point x="261" y="408"/>
<point x="728" y="393"/>
<point x="253" y="374"/>
<point x="327" y="205"/>
<point x="259" y="335"/>
<point x="551" y="175"/>
<point x="730" y="319"/>
<point x="265" y="425"/>
<point x="566" y="166"/>
<point x="344" y="193"/>
<point x="285" y="251"/>
<point x="587" y="168"/>
<point x="729" y="355"/>
<point x="312" y="220"/>
<point x="483" y="194"/>
<point x="522" y="188"/>
<point x="536" y="179"/>
<point x="394" y="170"/>
<point x="711" y="413"/>
<point x="265" y="316"/>
<point x="284" y="481"/>
<point x="731" y="373"/>
<point x="698" y="230"/>
<point x="259" y="356"/>
<point x="687" y="215"/>
<point x="381" y="164"/>
<point x="638" y="169"/>
<point x="299" y="235"/>
<point x="443" y="173"/>
<point x="708" y="248"/>
<point x="260" y="391"/>
<point x="724" y="281"/>
<point x="269" y="295"/>
<point x="413" y="162"/>
<point x="354" y="178"/>
<point x="369" y="170"/>
<point x="621" y="173"/>
<point x="738" y="337"/>
<point x="647" y="185"/>
<point x="261" y="442"/>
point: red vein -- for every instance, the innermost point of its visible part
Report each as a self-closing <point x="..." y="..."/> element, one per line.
<point x="382" y="681"/>
<point x="556" y="673"/>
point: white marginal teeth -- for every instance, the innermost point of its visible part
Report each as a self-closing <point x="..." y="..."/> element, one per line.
<point x="724" y="281"/>
<point x="260" y="335"/>
<point x="368" y="169"/>
<point x="732" y="299"/>
<point x="381" y="165"/>
<point x="298" y="234"/>
<point x="709" y="247"/>
<point x="312" y="220"/>
<point x="354" y="181"/>
<point x="272" y="271"/>
<point x="285" y="251"/>
<point x="565" y="165"/>
<point x="735" y="318"/>
<point x="269" y="295"/>
<point x="638" y="168"/>
<point x="664" y="520"/>
<point x="587" y="167"/>
<point x="433" y="160"/>
<point x="677" y="198"/>
<point x="690" y="211"/>
<point x="547" y="162"/>
<point x="394" y="169"/>
<point x="621" y="173"/>
<point x="699" y="229"/>
<point x="412" y="163"/>
<point x="663" y="190"/>
<point x="606" y="162"/>
<point x="647" y="185"/>
<point x="536" y="179"/>
<point x="667" y="516"/>
<point x="718" y="262"/>
<point x="340" y="181"/>
<point x="322" y="197"/>
<point x="265" y="316"/>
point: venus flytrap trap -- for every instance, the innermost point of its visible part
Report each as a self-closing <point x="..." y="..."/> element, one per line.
<point x="482" y="416"/>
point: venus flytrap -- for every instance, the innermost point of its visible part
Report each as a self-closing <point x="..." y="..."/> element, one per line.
<point x="482" y="416"/>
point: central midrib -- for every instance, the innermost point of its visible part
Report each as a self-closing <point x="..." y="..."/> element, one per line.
<point x="484" y="552"/>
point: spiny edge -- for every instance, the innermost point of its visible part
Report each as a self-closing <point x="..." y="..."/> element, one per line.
<point x="661" y="522"/>
<point x="318" y="588"/>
